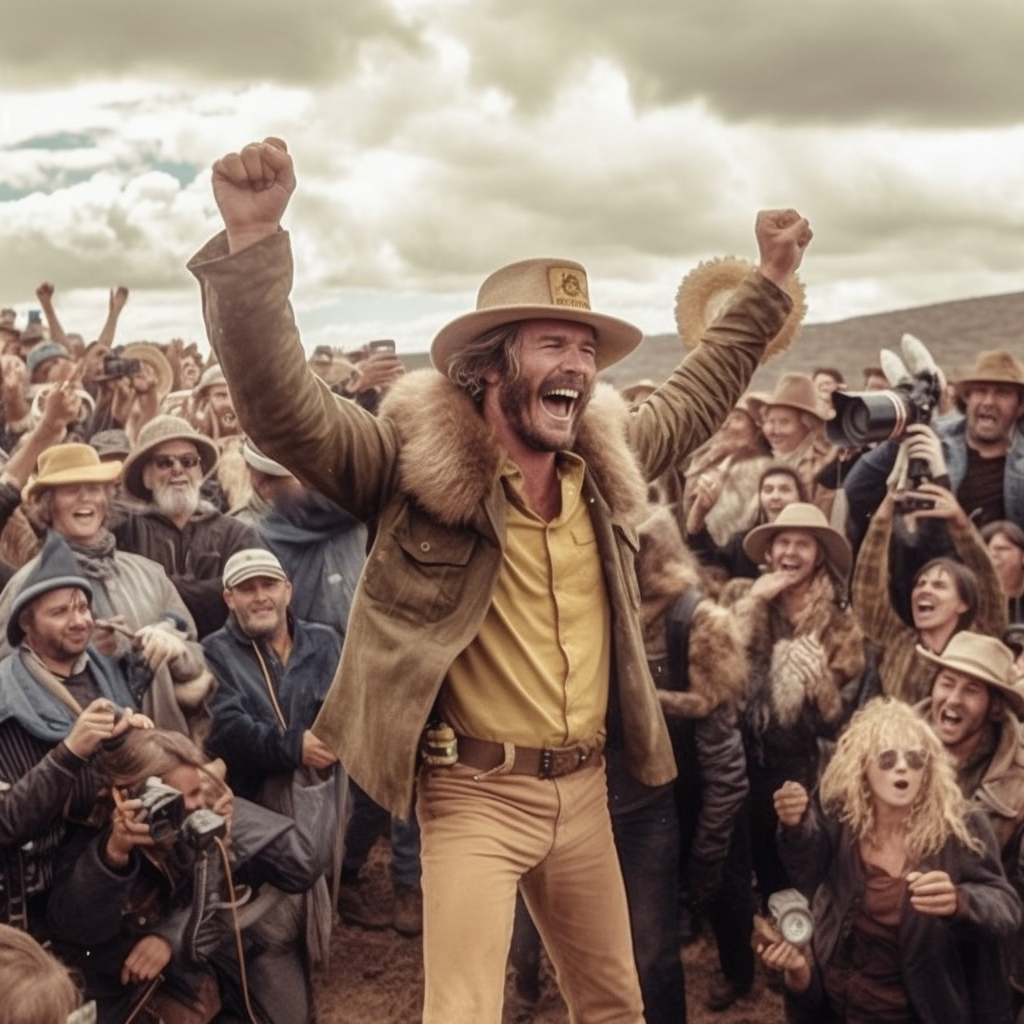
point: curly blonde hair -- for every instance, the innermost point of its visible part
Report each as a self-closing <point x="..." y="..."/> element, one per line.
<point x="939" y="810"/>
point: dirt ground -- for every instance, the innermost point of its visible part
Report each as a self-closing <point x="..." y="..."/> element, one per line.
<point x="377" y="978"/>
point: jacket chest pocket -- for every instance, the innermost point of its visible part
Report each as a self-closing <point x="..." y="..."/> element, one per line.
<point x="418" y="569"/>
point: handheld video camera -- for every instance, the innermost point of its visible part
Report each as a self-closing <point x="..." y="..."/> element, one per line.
<point x="790" y="919"/>
<point x="163" y="809"/>
<point x="115" y="366"/>
<point x="864" y="417"/>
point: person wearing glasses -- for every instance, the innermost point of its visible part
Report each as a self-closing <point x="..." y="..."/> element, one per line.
<point x="138" y="608"/>
<point x="188" y="537"/>
<point x="912" y="910"/>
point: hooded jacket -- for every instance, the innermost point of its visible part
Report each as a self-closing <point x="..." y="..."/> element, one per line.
<point x="425" y="475"/>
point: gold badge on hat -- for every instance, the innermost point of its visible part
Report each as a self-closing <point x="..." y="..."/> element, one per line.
<point x="568" y="287"/>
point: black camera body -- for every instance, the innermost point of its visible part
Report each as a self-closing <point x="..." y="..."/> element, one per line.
<point x="163" y="809"/>
<point x="864" y="417"/>
<point x="115" y="366"/>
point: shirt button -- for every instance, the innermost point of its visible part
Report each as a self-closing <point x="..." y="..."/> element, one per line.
<point x="424" y="547"/>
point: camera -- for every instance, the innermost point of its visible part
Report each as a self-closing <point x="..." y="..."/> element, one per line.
<point x="791" y="915"/>
<point x="381" y="345"/>
<point x="863" y="417"/>
<point x="1013" y="637"/>
<point x="114" y="366"/>
<point x="202" y="827"/>
<point x="163" y="809"/>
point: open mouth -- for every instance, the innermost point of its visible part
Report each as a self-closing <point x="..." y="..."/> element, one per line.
<point x="560" y="402"/>
<point x="947" y="717"/>
<point x="901" y="784"/>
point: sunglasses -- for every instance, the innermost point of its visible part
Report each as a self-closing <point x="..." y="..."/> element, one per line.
<point x="168" y="461"/>
<point x="916" y="759"/>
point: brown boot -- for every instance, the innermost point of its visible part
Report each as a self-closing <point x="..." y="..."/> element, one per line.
<point x="407" y="918"/>
<point x="356" y="908"/>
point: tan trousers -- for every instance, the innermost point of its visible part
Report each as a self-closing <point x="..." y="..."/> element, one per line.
<point x="483" y="836"/>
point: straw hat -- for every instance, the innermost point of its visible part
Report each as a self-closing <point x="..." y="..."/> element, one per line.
<point x="156" y="432"/>
<point x="802" y="516"/>
<point x="794" y="390"/>
<point x="709" y="288"/>
<point x="70" y="464"/>
<point x="983" y="658"/>
<point x="539" y="289"/>
<point x="994" y="367"/>
<point x="148" y="353"/>
<point x="639" y="390"/>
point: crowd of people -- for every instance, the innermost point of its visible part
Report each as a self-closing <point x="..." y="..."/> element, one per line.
<point x="604" y="666"/>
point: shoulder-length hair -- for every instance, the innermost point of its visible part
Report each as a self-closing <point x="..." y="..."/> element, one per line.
<point x="939" y="810"/>
<point x="139" y="753"/>
<point x="965" y="581"/>
<point x="496" y="351"/>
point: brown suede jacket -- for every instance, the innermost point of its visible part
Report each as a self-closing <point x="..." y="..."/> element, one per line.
<point x="425" y="476"/>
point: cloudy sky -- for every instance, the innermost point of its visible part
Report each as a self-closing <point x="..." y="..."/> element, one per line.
<point x="437" y="139"/>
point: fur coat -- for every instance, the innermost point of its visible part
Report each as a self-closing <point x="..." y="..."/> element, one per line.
<point x="667" y="569"/>
<point x="798" y="671"/>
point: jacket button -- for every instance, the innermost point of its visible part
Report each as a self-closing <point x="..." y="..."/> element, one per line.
<point x="425" y="546"/>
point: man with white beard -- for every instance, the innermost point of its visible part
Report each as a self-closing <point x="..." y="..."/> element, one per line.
<point x="189" y="538"/>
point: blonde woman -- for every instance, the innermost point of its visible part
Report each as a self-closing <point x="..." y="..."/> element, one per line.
<point x="911" y="906"/>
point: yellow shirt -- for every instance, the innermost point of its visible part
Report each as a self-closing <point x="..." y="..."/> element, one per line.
<point x="537" y="673"/>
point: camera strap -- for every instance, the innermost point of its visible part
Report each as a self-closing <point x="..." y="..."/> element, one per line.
<point x="270" y="686"/>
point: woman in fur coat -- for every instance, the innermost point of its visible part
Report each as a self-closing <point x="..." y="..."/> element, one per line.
<point x="805" y="649"/>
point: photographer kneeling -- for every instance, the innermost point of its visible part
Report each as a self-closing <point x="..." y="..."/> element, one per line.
<point x="144" y="909"/>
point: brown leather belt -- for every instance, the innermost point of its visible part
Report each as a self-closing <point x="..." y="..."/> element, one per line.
<point x="541" y="762"/>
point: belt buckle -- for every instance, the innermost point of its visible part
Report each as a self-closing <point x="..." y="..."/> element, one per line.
<point x="558" y="761"/>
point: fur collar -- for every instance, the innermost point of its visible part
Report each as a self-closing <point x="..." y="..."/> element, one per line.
<point x="451" y="458"/>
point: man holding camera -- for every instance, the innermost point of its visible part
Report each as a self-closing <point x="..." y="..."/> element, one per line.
<point x="500" y="592"/>
<point x="59" y="700"/>
<point x="981" y="453"/>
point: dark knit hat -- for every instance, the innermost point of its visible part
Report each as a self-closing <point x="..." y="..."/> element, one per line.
<point x="55" y="569"/>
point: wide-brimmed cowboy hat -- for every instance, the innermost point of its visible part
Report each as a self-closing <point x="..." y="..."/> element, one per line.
<point x="793" y="390"/>
<point x="538" y="289"/>
<point x="150" y="354"/>
<point x="156" y="432"/>
<point x="993" y="367"/>
<point x="70" y="464"/>
<point x="709" y="288"/>
<point x="984" y="658"/>
<point x="801" y="515"/>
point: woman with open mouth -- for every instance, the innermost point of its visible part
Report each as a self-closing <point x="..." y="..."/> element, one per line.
<point x="901" y="602"/>
<point x="911" y="908"/>
<point x="72" y="494"/>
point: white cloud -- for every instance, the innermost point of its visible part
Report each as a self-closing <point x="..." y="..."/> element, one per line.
<point x="437" y="139"/>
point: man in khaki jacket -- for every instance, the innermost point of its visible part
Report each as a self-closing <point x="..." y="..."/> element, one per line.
<point x="499" y="601"/>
